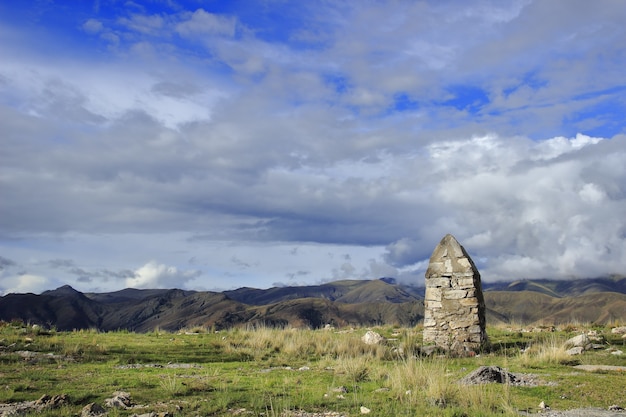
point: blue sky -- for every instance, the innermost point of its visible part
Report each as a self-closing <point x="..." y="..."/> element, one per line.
<point x="210" y="145"/>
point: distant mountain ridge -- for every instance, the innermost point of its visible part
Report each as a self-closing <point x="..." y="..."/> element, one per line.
<point x="338" y="303"/>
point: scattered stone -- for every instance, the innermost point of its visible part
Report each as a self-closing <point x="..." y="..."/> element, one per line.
<point x="93" y="410"/>
<point x="617" y="352"/>
<point x="365" y="410"/>
<point x="575" y="351"/>
<point x="615" y="407"/>
<point x="543" y="406"/>
<point x="55" y="401"/>
<point x="36" y="357"/>
<point x="582" y="340"/>
<point x="120" y="399"/>
<point x="45" y="402"/>
<point x="301" y="413"/>
<point x="153" y="414"/>
<point x="304" y="368"/>
<point x="619" y="330"/>
<point x="495" y="374"/>
<point x="372" y="338"/>
<point x="158" y="365"/>
<point x="454" y="317"/>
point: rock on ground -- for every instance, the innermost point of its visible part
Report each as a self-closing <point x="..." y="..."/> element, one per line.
<point x="619" y="330"/>
<point x="372" y="338"/>
<point x="579" y="412"/>
<point x="491" y="374"/>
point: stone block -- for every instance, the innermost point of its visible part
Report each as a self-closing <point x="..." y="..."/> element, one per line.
<point x="454" y="294"/>
<point x="438" y="283"/>
<point x="433" y="294"/>
<point x="429" y="322"/>
<point x="469" y="302"/>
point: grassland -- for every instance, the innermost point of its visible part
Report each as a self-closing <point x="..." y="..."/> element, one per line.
<point x="274" y="372"/>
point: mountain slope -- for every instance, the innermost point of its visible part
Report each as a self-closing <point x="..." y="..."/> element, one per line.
<point x="340" y="303"/>
<point x="534" y="307"/>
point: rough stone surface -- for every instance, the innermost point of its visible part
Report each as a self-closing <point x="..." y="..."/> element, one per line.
<point x="582" y="340"/>
<point x="576" y="350"/>
<point x="372" y="338"/>
<point x="619" y="330"/>
<point x="93" y="410"/>
<point x="454" y="317"/>
<point x="45" y="402"/>
<point x="120" y="399"/>
<point x="495" y="374"/>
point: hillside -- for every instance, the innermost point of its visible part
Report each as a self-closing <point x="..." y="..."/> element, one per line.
<point x="564" y="288"/>
<point x="340" y="303"/>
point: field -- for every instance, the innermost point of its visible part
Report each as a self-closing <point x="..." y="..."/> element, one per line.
<point x="295" y="372"/>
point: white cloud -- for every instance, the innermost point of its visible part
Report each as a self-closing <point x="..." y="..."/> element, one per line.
<point x="146" y="24"/>
<point x="92" y="26"/>
<point x="155" y="275"/>
<point x="25" y="283"/>
<point x="202" y="22"/>
<point x="252" y="137"/>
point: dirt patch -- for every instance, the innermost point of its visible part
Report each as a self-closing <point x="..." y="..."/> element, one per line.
<point x="593" y="368"/>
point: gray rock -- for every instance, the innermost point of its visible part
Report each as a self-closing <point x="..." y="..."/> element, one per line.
<point x="577" y="350"/>
<point x="93" y="410"/>
<point x="495" y="374"/>
<point x="619" y="330"/>
<point x="120" y="399"/>
<point x="582" y="340"/>
<point x="372" y="338"/>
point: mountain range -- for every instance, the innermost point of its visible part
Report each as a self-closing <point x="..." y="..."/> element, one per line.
<point x="338" y="303"/>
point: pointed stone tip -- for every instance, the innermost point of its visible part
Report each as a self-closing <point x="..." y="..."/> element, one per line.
<point x="449" y="237"/>
<point x="448" y="247"/>
<point x="451" y="242"/>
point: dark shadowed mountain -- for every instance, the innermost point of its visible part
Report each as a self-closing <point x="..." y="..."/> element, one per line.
<point x="340" y="303"/>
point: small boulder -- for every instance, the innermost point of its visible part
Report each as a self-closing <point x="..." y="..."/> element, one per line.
<point x="489" y="374"/>
<point x="619" y="330"/>
<point x="575" y="351"/>
<point x="93" y="410"/>
<point x="120" y="399"/>
<point x="372" y="338"/>
<point x="582" y="340"/>
<point x="54" y="401"/>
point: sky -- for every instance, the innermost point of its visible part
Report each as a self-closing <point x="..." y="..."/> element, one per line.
<point x="211" y="145"/>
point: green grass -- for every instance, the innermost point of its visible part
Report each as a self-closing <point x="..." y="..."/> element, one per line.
<point x="270" y="371"/>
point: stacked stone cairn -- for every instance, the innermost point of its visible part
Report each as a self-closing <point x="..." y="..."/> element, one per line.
<point x="454" y="318"/>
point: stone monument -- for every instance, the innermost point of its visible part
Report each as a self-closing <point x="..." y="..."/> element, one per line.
<point x="454" y="318"/>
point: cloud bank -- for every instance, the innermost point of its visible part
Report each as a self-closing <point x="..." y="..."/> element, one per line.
<point x="206" y="148"/>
